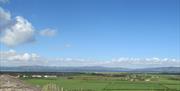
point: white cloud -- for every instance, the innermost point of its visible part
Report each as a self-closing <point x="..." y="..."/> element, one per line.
<point x="15" y="31"/>
<point x="48" y="32"/>
<point x="12" y="55"/>
<point x="67" y="45"/>
<point x="144" y="62"/>
<point x="5" y="18"/>
<point x="12" y="58"/>
<point x="20" y="32"/>
<point x="4" y="1"/>
<point x="117" y="62"/>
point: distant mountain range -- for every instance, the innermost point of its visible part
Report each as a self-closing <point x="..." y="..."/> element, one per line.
<point x="88" y="69"/>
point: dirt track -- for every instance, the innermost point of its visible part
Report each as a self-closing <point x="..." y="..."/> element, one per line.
<point x="9" y="83"/>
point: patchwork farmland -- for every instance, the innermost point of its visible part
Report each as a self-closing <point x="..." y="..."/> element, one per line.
<point x="109" y="82"/>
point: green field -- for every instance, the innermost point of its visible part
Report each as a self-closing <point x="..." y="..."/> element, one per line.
<point x="129" y="82"/>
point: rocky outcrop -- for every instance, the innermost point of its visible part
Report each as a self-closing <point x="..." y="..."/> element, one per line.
<point x="10" y="83"/>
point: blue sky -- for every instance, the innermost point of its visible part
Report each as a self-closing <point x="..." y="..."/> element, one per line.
<point x="101" y="29"/>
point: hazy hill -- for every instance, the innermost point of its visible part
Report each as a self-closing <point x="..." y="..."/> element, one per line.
<point x="88" y="69"/>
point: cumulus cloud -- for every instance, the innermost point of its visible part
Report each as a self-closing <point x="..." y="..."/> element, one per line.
<point x="48" y="32"/>
<point x="12" y="58"/>
<point x="15" y="31"/>
<point x="20" y="32"/>
<point x="12" y="55"/>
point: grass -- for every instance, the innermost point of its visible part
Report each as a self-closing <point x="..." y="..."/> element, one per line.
<point x="103" y="83"/>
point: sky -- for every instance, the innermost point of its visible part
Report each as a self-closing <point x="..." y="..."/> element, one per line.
<point x="90" y="32"/>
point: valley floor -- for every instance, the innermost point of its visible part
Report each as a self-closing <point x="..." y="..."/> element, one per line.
<point x="90" y="82"/>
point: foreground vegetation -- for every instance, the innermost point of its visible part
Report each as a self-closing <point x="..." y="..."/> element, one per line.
<point x="109" y="82"/>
